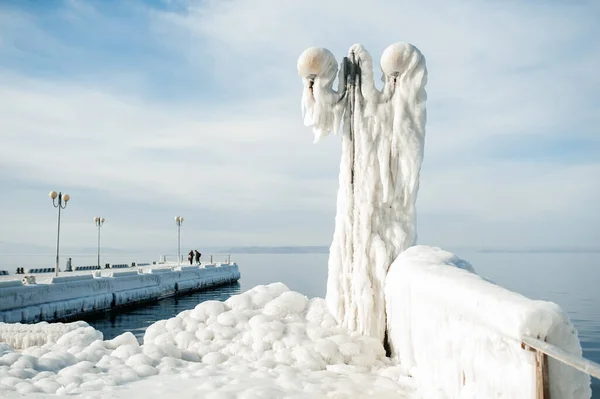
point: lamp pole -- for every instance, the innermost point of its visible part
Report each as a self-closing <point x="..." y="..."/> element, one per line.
<point x="99" y="222"/>
<point x="178" y="222"/>
<point x="59" y="200"/>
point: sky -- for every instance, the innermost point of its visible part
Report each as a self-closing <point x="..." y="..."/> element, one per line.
<point x="145" y="110"/>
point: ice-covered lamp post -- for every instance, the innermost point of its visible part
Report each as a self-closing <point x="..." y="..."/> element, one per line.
<point x="59" y="200"/>
<point x="99" y="222"/>
<point x="383" y="135"/>
<point x="178" y="222"/>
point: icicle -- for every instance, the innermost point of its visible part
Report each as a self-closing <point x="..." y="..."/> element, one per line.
<point x="321" y="105"/>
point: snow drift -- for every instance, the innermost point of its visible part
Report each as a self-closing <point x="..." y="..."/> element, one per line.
<point x="267" y="342"/>
<point x="459" y="335"/>
<point x="382" y="150"/>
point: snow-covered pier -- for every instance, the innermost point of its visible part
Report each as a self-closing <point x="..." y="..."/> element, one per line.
<point x="63" y="297"/>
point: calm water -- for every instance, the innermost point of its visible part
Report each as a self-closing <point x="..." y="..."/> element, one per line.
<point x="569" y="279"/>
<point x="137" y="319"/>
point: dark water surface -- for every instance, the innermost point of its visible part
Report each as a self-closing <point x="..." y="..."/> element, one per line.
<point x="137" y="319"/>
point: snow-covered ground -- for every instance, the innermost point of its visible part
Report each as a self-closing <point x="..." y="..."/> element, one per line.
<point x="72" y="294"/>
<point x="268" y="342"/>
<point x="452" y="334"/>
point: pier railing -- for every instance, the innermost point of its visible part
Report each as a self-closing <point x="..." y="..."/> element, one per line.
<point x="542" y="350"/>
<point x="222" y="258"/>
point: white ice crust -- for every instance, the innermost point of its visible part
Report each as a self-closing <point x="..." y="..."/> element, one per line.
<point x="459" y="335"/>
<point x="265" y="343"/>
<point x="382" y="151"/>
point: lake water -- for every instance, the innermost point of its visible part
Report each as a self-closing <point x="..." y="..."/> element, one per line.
<point x="569" y="279"/>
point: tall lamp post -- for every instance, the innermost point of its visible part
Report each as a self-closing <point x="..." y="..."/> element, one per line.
<point x="178" y="222"/>
<point x="382" y="130"/>
<point x="99" y="222"/>
<point x="59" y="200"/>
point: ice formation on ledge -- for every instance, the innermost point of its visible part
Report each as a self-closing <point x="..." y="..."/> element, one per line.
<point x="266" y="342"/>
<point x="382" y="150"/>
<point x="459" y="335"/>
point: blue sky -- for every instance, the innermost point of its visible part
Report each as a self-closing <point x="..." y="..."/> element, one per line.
<point x="143" y="110"/>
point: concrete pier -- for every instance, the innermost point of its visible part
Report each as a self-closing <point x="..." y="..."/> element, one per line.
<point x="73" y="294"/>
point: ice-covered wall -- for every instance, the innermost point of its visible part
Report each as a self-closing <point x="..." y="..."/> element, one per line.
<point x="382" y="150"/>
<point x="70" y="296"/>
<point x="10" y="283"/>
<point x="459" y="334"/>
<point x="22" y="336"/>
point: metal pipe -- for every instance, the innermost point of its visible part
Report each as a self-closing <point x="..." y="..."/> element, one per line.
<point x="578" y="362"/>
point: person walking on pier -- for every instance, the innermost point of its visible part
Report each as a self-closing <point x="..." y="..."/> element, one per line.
<point x="191" y="256"/>
<point x="198" y="255"/>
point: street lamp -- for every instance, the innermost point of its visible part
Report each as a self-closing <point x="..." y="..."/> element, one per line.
<point x="178" y="222"/>
<point x="382" y="134"/>
<point x="99" y="222"/>
<point x="59" y="201"/>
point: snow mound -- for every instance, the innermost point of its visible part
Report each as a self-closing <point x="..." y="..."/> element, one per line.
<point x="266" y="342"/>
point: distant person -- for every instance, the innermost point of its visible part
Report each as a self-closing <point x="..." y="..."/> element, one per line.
<point x="198" y="255"/>
<point x="191" y="256"/>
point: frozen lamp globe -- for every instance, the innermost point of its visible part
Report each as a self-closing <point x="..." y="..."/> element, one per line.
<point x="66" y="197"/>
<point x="316" y="61"/>
<point x="96" y="219"/>
<point x="53" y="194"/>
<point x="102" y="220"/>
<point x="395" y="57"/>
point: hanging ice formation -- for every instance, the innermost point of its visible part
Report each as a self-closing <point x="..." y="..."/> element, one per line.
<point x="383" y="136"/>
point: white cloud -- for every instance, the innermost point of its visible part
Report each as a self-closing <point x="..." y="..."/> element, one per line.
<point x="495" y="69"/>
<point x="100" y="140"/>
